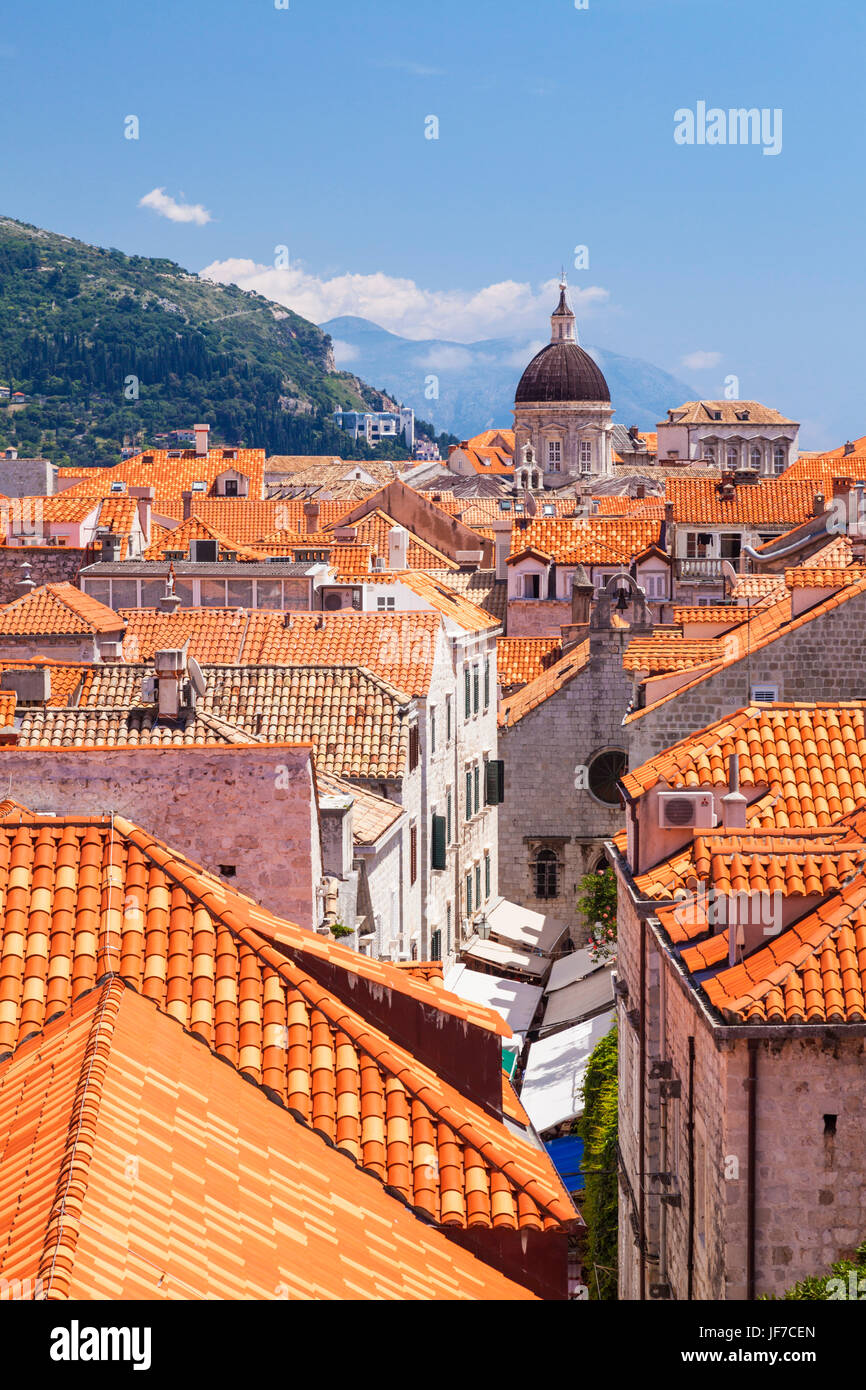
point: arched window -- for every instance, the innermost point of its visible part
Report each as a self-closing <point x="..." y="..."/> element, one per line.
<point x="546" y="874"/>
<point x="779" y="458"/>
<point x="755" y="457"/>
<point x="733" y="456"/>
<point x="536" y="479"/>
<point x="710" y="453"/>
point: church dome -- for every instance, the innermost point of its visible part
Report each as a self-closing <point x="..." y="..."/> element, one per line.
<point x="562" y="371"/>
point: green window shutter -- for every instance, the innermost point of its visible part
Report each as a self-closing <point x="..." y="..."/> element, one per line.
<point x="469" y="795"/>
<point x="438" y="843"/>
<point x="494" y="779"/>
<point x="448" y="835"/>
<point x="468" y="894"/>
<point x="467" y="689"/>
<point x="476" y="687"/>
<point x="478" y="885"/>
<point x="487" y="683"/>
<point x="448" y="719"/>
<point x="476" y="780"/>
<point x="487" y="875"/>
<point x="436" y="945"/>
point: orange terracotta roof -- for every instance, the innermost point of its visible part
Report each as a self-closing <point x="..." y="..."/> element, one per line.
<point x="585" y="540"/>
<point x="351" y="717"/>
<point x="196" y="529"/>
<point x="720" y="613"/>
<point x="726" y="412"/>
<point x="750" y="586"/>
<point x="398" y="647"/>
<point x="112" y="1072"/>
<point x="7" y="708"/>
<point x="668" y="651"/>
<point x="170" y="472"/>
<point x="448" y="601"/>
<point x="215" y="635"/>
<point x="487" y="460"/>
<point x="831" y="464"/>
<point x="638" y="507"/>
<point x="66" y="677"/>
<point x="350" y="561"/>
<point x="520" y="659"/>
<point x="489" y="437"/>
<point x="247" y="985"/>
<point x="57" y="609"/>
<point x="813" y="972"/>
<point x="823" y="577"/>
<point x="548" y="683"/>
<point x="810" y="758"/>
<point x="770" y="502"/>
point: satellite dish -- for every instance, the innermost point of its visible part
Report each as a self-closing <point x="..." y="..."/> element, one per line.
<point x="196" y="675"/>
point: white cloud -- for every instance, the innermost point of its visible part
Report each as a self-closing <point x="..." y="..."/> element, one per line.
<point x="404" y="307"/>
<point x="161" y="202"/>
<point x="520" y="356"/>
<point x="446" y="358"/>
<point x="344" y="353"/>
<point x="697" y="361"/>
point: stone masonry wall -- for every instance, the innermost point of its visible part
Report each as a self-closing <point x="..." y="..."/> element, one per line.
<point x="49" y="564"/>
<point x="248" y="807"/>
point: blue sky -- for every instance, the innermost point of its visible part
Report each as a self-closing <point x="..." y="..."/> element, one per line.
<point x="304" y="128"/>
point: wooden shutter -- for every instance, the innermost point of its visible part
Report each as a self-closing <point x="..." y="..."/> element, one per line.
<point x="487" y="875"/>
<point x="476" y="687"/>
<point x="494" y="782"/>
<point x="476" y="780"/>
<point x="439" y="847"/>
<point x="414" y="747"/>
<point x="413" y="853"/>
<point x="467" y="689"/>
<point x="469" y="795"/>
<point x="487" y="683"/>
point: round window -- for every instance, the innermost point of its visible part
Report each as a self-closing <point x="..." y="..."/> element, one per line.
<point x="605" y="770"/>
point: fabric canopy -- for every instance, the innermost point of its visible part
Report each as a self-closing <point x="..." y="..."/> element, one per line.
<point x="552" y="1089"/>
<point x="513" y="999"/>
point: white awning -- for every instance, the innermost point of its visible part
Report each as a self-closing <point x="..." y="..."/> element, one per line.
<point x="522" y="927"/>
<point x="515" y="1000"/>
<point x="569" y="968"/>
<point x="552" y="1089"/>
<point x="576" y="1001"/>
<point x="505" y="957"/>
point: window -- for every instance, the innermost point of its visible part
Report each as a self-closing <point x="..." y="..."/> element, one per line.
<point x="413" y="853"/>
<point x="438" y="843"/>
<point x="779" y="458"/>
<point x="385" y="605"/>
<point x="494" y="782"/>
<point x="212" y="593"/>
<point x="469" y="793"/>
<point x="764" y="694"/>
<point x="653" y="585"/>
<point x="605" y="770"/>
<point x="467" y="691"/>
<point x="414" y="747"/>
<point x="476" y="783"/>
<point x="478" y="885"/>
<point x="447" y="718"/>
<point x="468" y="891"/>
<point x="554" y="455"/>
<point x="448" y="817"/>
<point x="487" y="683"/>
<point x="546" y="874"/>
<point x="487" y="873"/>
<point x="476" y="689"/>
<point x="755" y="457"/>
<point x="231" y="487"/>
<point x="203" y="550"/>
<point x="432" y="731"/>
<point x="532" y="586"/>
<point x="436" y="945"/>
<point x="732" y="455"/>
<point x="228" y="870"/>
<point x="448" y="929"/>
<point x="585" y="455"/>
<point x="710" y="453"/>
<point x="697" y="545"/>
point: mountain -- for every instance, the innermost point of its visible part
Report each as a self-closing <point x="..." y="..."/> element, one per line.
<point x="477" y="381"/>
<point x="79" y="324"/>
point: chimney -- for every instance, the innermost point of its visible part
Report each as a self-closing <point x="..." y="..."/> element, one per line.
<point x="734" y="803"/>
<point x="398" y="548"/>
<point x="669" y="513"/>
<point x="170" y="666"/>
<point x="346" y="534"/>
<point x="145" y="497"/>
<point x="842" y="486"/>
<point x="187" y="505"/>
<point x="634" y="433"/>
<point x="311" y="513"/>
<point x="640" y="490"/>
<point x="169" y="602"/>
<point x="26" y="582"/>
<point x="849" y="448"/>
<point x="818" y="504"/>
<point x="201" y="440"/>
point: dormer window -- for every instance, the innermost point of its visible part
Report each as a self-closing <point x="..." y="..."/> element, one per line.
<point x="203" y="550"/>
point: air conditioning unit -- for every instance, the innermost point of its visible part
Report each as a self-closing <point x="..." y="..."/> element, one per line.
<point x="687" y="810"/>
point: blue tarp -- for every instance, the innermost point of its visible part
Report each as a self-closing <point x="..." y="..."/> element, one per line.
<point x="567" y="1156"/>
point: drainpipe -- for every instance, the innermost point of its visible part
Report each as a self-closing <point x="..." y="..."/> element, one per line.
<point x="642" y="1112"/>
<point x="690" y="1131"/>
<point x="751" y="1185"/>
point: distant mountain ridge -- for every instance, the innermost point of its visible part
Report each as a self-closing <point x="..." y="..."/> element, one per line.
<point x="476" y="381"/>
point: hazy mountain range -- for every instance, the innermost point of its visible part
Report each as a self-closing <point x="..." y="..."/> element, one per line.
<point x="476" y="381"/>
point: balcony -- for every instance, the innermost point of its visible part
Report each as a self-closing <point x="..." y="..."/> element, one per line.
<point x="705" y="571"/>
